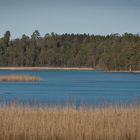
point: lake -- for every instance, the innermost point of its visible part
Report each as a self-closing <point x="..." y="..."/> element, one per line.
<point x="80" y="87"/>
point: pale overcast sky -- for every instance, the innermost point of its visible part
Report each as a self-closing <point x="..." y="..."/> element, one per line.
<point x="69" y="16"/>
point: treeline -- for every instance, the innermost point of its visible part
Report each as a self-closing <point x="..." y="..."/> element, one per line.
<point x="110" y="52"/>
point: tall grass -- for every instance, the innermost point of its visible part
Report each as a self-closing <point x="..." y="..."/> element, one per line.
<point x="68" y="123"/>
<point x="19" y="78"/>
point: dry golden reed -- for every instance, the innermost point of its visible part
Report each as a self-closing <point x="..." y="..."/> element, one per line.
<point x="19" y="78"/>
<point x="68" y="123"/>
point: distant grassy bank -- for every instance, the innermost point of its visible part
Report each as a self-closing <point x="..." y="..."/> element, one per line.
<point x="61" y="68"/>
<point x="45" y="68"/>
<point x="68" y="123"/>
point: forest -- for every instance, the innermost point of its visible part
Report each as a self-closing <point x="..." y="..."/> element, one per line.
<point x="102" y="52"/>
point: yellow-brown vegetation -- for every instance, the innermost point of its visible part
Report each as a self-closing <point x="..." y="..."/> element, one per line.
<point x="19" y="78"/>
<point x="68" y="123"/>
<point x="46" y="68"/>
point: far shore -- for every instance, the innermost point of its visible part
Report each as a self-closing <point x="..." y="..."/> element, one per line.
<point x="115" y="71"/>
<point x="45" y="68"/>
<point x="61" y="68"/>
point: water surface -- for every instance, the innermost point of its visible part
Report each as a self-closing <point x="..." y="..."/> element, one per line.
<point x="60" y="86"/>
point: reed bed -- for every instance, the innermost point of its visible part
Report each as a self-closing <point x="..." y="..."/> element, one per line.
<point x="19" y="78"/>
<point x="68" y="123"/>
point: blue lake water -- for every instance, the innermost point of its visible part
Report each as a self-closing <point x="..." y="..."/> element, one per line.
<point x="85" y="87"/>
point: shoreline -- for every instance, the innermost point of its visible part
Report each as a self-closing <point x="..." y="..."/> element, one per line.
<point x="123" y="71"/>
<point x="45" y="68"/>
<point x="63" y="68"/>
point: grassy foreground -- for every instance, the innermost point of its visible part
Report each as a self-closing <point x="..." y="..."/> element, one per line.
<point x="68" y="123"/>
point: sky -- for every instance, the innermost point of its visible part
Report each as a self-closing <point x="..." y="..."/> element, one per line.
<point x="69" y="16"/>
